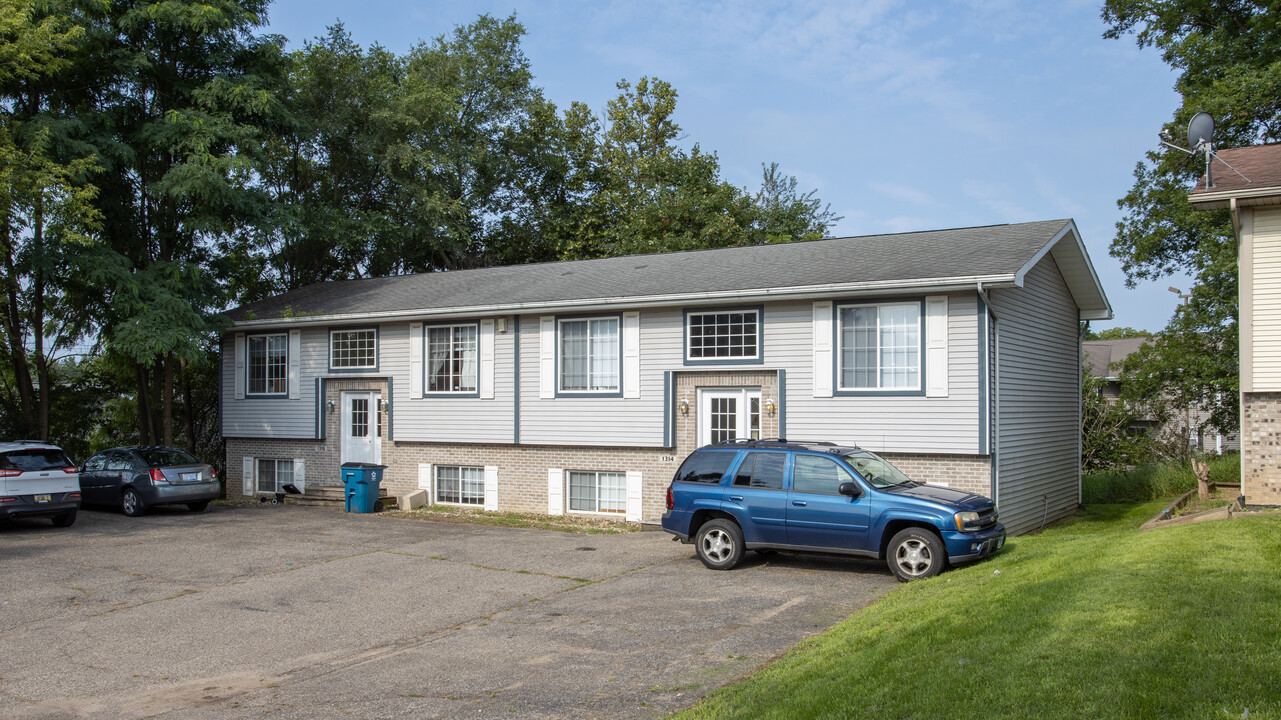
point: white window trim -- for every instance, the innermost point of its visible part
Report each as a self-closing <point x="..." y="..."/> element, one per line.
<point x="559" y="350"/>
<point x="476" y="376"/>
<point x="840" y="349"/>
<point x="689" y="344"/>
<point x="249" y="391"/>
<point x="275" y="471"/>
<point x="569" y="490"/>
<point x="343" y="368"/>
<point x="435" y="485"/>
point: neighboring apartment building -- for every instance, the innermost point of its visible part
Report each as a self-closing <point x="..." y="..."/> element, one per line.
<point x="578" y="387"/>
<point x="1255" y="206"/>
<point x="1103" y="359"/>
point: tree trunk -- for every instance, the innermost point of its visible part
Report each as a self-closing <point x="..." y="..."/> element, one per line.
<point x="144" y="404"/>
<point x="188" y="415"/>
<point x="13" y="327"/>
<point x="37" y="322"/>
<point x="166" y="400"/>
<point x="1202" y="472"/>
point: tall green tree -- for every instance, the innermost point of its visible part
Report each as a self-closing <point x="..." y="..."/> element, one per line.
<point x="186" y="90"/>
<point x="1228" y="54"/>
<point x="784" y="213"/>
<point x="47" y="217"/>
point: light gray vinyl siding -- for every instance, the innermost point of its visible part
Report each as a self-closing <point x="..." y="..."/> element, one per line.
<point x="449" y="419"/>
<point x="602" y="421"/>
<point x="890" y="423"/>
<point x="1039" y="400"/>
<point x="275" y="417"/>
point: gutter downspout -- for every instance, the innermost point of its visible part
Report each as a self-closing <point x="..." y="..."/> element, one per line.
<point x="995" y="395"/>
<point x="1235" y="212"/>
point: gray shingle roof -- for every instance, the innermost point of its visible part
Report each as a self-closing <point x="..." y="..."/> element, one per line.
<point x="990" y="251"/>
<point x="1099" y="355"/>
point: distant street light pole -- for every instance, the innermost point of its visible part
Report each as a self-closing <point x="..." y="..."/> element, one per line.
<point x="1182" y="296"/>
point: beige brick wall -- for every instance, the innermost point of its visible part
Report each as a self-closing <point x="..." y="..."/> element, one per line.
<point x="972" y="473"/>
<point x="522" y="469"/>
<point x="1261" y="448"/>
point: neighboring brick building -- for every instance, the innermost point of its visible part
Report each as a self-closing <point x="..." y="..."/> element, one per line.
<point x="1255" y="205"/>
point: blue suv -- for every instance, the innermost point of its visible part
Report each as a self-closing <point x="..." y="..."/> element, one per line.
<point x="819" y="497"/>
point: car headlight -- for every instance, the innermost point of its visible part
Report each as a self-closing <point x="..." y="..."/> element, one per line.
<point x="966" y="518"/>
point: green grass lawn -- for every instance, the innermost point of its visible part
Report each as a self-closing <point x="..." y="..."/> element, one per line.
<point x="1091" y="619"/>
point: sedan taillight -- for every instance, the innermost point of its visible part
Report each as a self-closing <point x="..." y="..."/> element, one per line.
<point x="157" y="476"/>
<point x="670" y="499"/>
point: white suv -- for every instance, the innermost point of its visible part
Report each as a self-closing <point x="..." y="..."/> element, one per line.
<point x="38" y="480"/>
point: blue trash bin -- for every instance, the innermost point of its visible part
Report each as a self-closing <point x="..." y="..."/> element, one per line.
<point x="362" y="482"/>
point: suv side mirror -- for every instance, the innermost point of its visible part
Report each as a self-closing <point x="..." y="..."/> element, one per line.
<point x="849" y="488"/>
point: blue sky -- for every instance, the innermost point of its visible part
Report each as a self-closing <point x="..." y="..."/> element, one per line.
<point x="904" y="116"/>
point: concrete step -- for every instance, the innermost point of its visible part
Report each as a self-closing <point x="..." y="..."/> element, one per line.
<point x="334" y="496"/>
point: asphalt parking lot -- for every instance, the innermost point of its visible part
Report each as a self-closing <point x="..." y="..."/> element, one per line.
<point x="300" y="612"/>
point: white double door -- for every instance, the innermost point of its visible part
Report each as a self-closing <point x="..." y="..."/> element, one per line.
<point x="726" y="414"/>
<point x="361" y="427"/>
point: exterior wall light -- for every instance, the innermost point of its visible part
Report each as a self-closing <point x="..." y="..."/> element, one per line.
<point x="331" y="406"/>
<point x="769" y="406"/>
<point x="684" y="405"/>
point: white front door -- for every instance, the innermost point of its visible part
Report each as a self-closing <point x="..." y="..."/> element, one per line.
<point x="361" y="425"/>
<point x="729" y="414"/>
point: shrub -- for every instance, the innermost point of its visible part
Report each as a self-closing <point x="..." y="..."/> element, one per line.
<point x="1154" y="481"/>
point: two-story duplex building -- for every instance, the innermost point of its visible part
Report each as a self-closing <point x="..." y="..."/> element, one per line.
<point x="578" y="387"/>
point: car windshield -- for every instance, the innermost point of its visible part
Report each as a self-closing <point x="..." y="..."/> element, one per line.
<point x="876" y="470"/>
<point x="34" y="459"/>
<point x="163" y="457"/>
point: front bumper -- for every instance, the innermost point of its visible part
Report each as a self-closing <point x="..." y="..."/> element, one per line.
<point x="967" y="547"/>
<point x="26" y="506"/>
<point x="183" y="493"/>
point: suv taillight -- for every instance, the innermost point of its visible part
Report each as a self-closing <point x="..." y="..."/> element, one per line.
<point x="157" y="476"/>
<point x="670" y="499"/>
<point x="10" y="473"/>
<point x="71" y="469"/>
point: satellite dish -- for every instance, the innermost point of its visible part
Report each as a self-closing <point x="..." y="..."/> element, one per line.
<point x="1201" y="129"/>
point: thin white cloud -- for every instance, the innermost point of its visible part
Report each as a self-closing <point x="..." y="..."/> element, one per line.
<point x="998" y="199"/>
<point x="905" y="193"/>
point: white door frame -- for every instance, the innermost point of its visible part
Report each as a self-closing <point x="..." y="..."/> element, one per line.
<point x="367" y="448"/>
<point x="742" y="415"/>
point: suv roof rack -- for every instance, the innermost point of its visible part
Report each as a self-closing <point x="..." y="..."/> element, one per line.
<point x="784" y="443"/>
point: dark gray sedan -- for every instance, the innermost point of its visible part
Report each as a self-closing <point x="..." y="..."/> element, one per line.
<point x="136" y="478"/>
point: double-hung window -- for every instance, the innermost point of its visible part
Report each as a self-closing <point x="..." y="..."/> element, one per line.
<point x="460" y="485"/>
<point x="451" y="359"/>
<point x="274" y="474"/>
<point x="880" y="347"/>
<point x="353" y="349"/>
<point x="589" y="355"/>
<point x="723" y="336"/>
<point x="268" y="364"/>
<point x="598" y="492"/>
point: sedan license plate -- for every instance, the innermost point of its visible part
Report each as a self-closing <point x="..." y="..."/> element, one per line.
<point x="43" y="498"/>
<point x="188" y="477"/>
